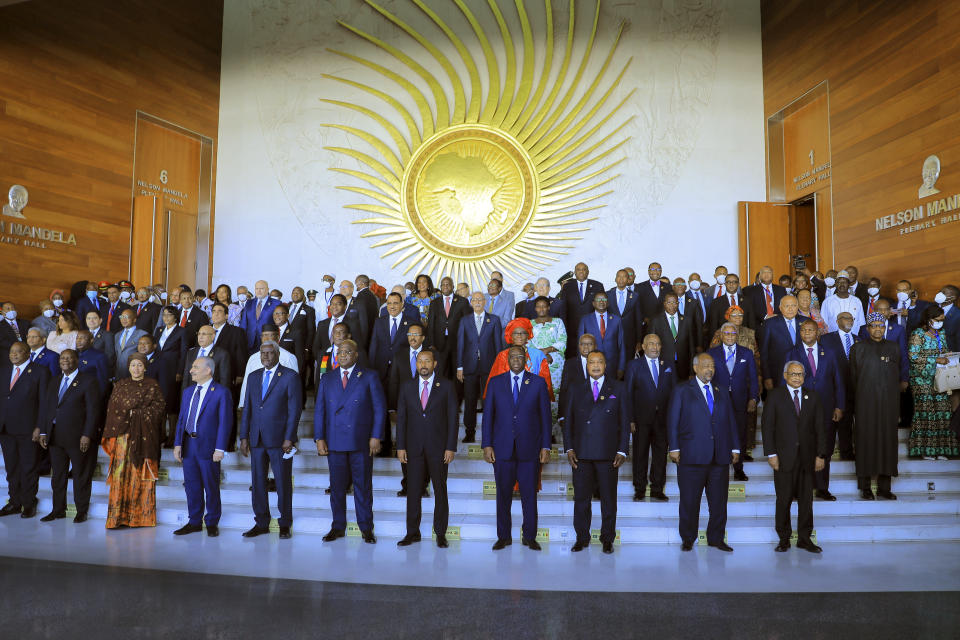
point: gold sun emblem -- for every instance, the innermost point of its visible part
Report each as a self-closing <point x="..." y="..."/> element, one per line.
<point x="503" y="183"/>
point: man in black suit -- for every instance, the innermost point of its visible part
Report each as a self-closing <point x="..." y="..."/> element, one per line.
<point x="148" y="313"/>
<point x="762" y="299"/>
<point x="795" y="442"/>
<point x="577" y="295"/>
<point x="479" y="340"/>
<point x="324" y="336"/>
<point x="303" y="319"/>
<point x="22" y="385"/>
<point x="650" y="296"/>
<point x="231" y="339"/>
<point x="11" y="329"/>
<point x="649" y="383"/>
<point x="223" y="372"/>
<point x="525" y="306"/>
<point x="443" y="320"/>
<point x="68" y="427"/>
<point x="676" y="336"/>
<point x="840" y="342"/>
<point x="624" y="303"/>
<point x="716" y="313"/>
<point x="778" y="335"/>
<point x="574" y="372"/>
<point x="190" y="318"/>
<point x="427" y="442"/>
<point x="110" y="314"/>
<point x="367" y="306"/>
<point x="596" y="434"/>
<point x="290" y="337"/>
<point x="403" y="370"/>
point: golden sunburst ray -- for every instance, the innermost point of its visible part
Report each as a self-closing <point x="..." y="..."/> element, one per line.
<point x="507" y="181"/>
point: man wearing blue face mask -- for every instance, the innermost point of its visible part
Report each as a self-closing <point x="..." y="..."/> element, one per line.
<point x="89" y="302"/>
<point x="11" y="329"/>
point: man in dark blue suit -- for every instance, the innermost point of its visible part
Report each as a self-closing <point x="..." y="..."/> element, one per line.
<point x="39" y="354"/>
<point x="389" y="336"/>
<point x="93" y="361"/>
<point x="427" y="442"/>
<point x="516" y="441"/>
<point x="703" y="441"/>
<point x="607" y="330"/>
<point x="348" y="426"/>
<point x="821" y="374"/>
<point x="839" y="343"/>
<point x="735" y="370"/>
<point x="22" y="386"/>
<point x="268" y="431"/>
<point x="622" y="302"/>
<point x="596" y="433"/>
<point x="257" y="312"/>
<point x="779" y="334"/>
<point x="69" y="419"/>
<point x="203" y="432"/>
<point x="479" y="340"/>
<point x="649" y="383"/>
<point x="576" y="296"/>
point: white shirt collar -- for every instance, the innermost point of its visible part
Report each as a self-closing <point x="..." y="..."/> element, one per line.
<point x="206" y="385"/>
<point x="598" y="380"/>
<point x="282" y="328"/>
<point x="70" y="376"/>
<point x="272" y="370"/>
<point x="429" y="382"/>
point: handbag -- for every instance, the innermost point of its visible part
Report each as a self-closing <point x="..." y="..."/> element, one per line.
<point x="947" y="378"/>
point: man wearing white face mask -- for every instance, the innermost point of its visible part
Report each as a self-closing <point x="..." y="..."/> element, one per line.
<point x="696" y="297"/>
<point x="830" y="282"/>
<point x="873" y="296"/>
<point x="718" y="288"/>
<point x="11" y="329"/>
<point x="947" y="298"/>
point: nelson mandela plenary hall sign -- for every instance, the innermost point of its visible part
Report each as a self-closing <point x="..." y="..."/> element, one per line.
<point x="926" y="215"/>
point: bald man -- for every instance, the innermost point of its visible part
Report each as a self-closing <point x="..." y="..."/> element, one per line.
<point x="577" y="295"/>
<point x="223" y="371"/>
<point x="257" y="312"/>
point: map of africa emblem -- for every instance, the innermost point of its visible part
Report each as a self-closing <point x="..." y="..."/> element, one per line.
<point x="502" y="182"/>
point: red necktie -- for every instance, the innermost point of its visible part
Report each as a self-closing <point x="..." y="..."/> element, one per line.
<point x="603" y="326"/>
<point x="733" y="300"/>
<point x="110" y="316"/>
<point x="16" y="376"/>
<point x="345" y="377"/>
<point x="446" y="306"/>
<point x="769" y="298"/>
<point x="870" y="310"/>
<point x="183" y="320"/>
<point x="139" y="309"/>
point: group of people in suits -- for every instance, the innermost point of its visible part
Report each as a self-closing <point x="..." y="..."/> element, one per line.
<point x="654" y="372"/>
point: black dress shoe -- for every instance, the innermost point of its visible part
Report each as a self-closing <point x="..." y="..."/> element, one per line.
<point x="823" y="494"/>
<point x="638" y="495"/>
<point x="426" y="493"/>
<point x="50" y="517"/>
<point x="747" y="457"/>
<point x="272" y="484"/>
<point x="867" y="494"/>
<point x="29" y="512"/>
<point x="608" y="547"/>
<point x="722" y="546"/>
<point x="442" y="542"/>
<point x="469" y="437"/>
<point x="807" y="545"/>
<point x="580" y="545"/>
<point x="80" y="518"/>
<point x="502" y="543"/>
<point x="659" y="496"/>
<point x="9" y="510"/>
<point x="533" y="545"/>
<point x="327" y="491"/>
<point x="402" y="493"/>
<point x="409" y="540"/>
<point x="368" y="537"/>
<point x="188" y="528"/>
<point x="333" y="534"/>
<point x="254" y="532"/>
<point x="783" y="546"/>
<point x="740" y="475"/>
<point x="285" y="533"/>
<point x="687" y="546"/>
<point x="213" y="531"/>
<point x="886" y="495"/>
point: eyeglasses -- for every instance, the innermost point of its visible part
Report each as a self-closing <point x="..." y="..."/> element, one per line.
<point x="795" y="374"/>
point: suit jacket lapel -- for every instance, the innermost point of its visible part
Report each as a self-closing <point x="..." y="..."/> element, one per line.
<point x="434" y="391"/>
<point x="206" y="399"/>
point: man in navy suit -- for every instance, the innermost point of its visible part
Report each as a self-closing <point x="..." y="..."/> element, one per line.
<point x="268" y="431"/>
<point x="735" y="370"/>
<point x="762" y="300"/>
<point x="574" y="372"/>
<point x="778" y="335"/>
<point x="203" y="432"/>
<point x="650" y="296"/>
<point x="649" y="383"/>
<point x="110" y="312"/>
<point x="716" y="312"/>
<point x="70" y="411"/>
<point x="93" y="361"/>
<point x="596" y="434"/>
<point x="516" y="441"/>
<point x="443" y="320"/>
<point x="427" y="442"/>
<point x="839" y="343"/>
<point x="479" y="340"/>
<point x="702" y="433"/>
<point x="257" y="312"/>
<point x="348" y="426"/>
<point x="497" y="303"/>
<point x="39" y="354"/>
<point x="821" y="374"/>
<point x="607" y="330"/>
<point x="22" y="386"/>
<point x="676" y="333"/>
<point x="622" y="302"/>
<point x="410" y="312"/>
<point x="125" y="341"/>
<point x="103" y="341"/>
<point x="576" y="295"/>
<point x="389" y="335"/>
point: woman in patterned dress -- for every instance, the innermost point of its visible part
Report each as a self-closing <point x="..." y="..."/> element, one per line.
<point x="423" y="295"/>
<point x="550" y="336"/>
<point x="930" y="434"/>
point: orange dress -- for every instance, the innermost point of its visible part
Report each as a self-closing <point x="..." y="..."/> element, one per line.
<point x="501" y="365"/>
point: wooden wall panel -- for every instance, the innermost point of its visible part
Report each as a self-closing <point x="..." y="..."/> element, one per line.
<point x="893" y="70"/>
<point x="74" y="73"/>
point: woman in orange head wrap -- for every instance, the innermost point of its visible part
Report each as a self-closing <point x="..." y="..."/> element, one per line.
<point x="518" y="333"/>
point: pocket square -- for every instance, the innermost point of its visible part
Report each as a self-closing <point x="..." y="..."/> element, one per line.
<point x="613" y="397"/>
<point x="667" y="370"/>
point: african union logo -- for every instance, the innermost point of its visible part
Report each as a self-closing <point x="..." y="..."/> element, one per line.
<point x="497" y="183"/>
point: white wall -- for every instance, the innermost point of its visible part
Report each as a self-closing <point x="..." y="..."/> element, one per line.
<point x="696" y="148"/>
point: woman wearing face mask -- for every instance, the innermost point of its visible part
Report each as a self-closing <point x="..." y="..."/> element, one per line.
<point x="930" y="434"/>
<point x="47" y="320"/>
<point x="65" y="334"/>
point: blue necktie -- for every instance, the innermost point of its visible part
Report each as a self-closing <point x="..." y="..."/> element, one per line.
<point x="793" y="332"/>
<point x="413" y="365"/>
<point x="516" y="390"/>
<point x="655" y="371"/>
<point x="266" y="384"/>
<point x="731" y="353"/>
<point x="393" y="330"/>
<point x="846" y="344"/>
<point x="63" y="389"/>
<point x="706" y="388"/>
<point x="192" y="416"/>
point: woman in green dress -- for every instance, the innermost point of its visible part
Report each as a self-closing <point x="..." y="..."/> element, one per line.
<point x="550" y="336"/>
<point x="930" y="434"/>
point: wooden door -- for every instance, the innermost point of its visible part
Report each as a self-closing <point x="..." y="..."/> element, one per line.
<point x="181" y="251"/>
<point x="764" y="238"/>
<point x="803" y="235"/>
